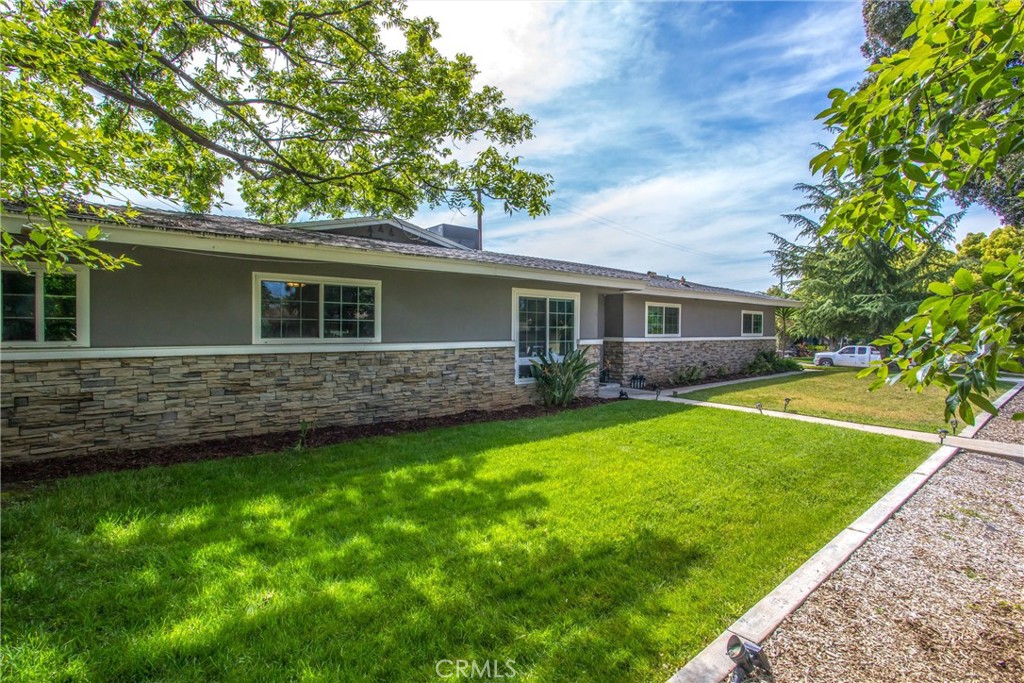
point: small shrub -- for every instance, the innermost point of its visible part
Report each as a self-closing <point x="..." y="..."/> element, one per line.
<point x="770" y="362"/>
<point x="688" y="375"/>
<point x="305" y="428"/>
<point x="558" y="380"/>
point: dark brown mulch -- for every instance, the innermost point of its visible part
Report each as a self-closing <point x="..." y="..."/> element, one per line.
<point x="114" y="461"/>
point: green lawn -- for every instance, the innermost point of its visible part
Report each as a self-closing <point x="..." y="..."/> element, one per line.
<point x="605" y="544"/>
<point x="837" y="393"/>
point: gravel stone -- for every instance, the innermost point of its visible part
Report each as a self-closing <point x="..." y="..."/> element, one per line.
<point x="936" y="594"/>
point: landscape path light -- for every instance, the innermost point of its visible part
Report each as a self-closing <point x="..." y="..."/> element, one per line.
<point x="751" y="661"/>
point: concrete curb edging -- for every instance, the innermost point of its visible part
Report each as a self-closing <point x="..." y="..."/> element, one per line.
<point x="712" y="664"/>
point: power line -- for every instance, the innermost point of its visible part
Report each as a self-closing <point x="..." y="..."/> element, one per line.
<point x="609" y="223"/>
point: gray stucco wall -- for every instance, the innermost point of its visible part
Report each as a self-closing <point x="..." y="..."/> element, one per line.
<point x="613" y="315"/>
<point x="698" y="318"/>
<point x="191" y="299"/>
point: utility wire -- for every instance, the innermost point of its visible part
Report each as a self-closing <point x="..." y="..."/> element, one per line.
<point x="607" y="222"/>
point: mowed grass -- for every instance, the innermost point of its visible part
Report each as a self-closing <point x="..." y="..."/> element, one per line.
<point x="605" y="544"/>
<point x="837" y="393"/>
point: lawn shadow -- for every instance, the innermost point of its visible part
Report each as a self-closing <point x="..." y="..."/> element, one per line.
<point x="363" y="561"/>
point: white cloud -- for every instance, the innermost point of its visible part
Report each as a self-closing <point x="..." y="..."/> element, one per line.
<point x="708" y="221"/>
<point x="534" y="51"/>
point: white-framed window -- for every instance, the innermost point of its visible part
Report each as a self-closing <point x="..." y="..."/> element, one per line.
<point x="663" y="319"/>
<point x="305" y="308"/>
<point x="753" y="324"/>
<point x="45" y="309"/>
<point x="542" y="322"/>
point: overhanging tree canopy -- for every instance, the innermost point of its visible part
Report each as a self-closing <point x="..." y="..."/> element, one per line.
<point x="304" y="101"/>
<point x="935" y="117"/>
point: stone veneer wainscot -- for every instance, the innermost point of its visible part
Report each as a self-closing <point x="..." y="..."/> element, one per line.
<point x="659" y="360"/>
<point x="59" y="408"/>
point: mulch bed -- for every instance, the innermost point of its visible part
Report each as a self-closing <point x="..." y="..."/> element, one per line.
<point x="935" y="595"/>
<point x="27" y="473"/>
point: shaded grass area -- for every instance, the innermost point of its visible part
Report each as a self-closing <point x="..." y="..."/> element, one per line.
<point x="838" y="394"/>
<point x="609" y="543"/>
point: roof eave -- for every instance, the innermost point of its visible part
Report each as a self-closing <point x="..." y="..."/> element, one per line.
<point x="161" y="237"/>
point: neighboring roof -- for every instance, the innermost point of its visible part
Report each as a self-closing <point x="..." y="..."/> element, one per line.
<point x="344" y="224"/>
<point x="249" y="229"/>
<point x="464" y="235"/>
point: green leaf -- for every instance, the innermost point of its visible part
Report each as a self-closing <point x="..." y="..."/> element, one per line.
<point x="940" y="288"/>
<point x="964" y="280"/>
<point x="983" y="403"/>
<point x="915" y="173"/>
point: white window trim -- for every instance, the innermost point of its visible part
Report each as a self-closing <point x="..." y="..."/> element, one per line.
<point x="647" y="313"/>
<point x="549" y="294"/>
<point x="752" y="334"/>
<point x="81" y="312"/>
<point x="257" y="326"/>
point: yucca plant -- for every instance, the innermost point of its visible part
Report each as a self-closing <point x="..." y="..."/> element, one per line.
<point x="559" y="378"/>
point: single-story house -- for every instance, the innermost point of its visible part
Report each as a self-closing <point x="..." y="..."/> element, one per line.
<point x="232" y="327"/>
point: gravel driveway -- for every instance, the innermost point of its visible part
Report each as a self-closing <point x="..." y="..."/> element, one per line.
<point x="937" y="594"/>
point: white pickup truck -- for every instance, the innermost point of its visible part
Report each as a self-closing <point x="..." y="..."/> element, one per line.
<point x="848" y="356"/>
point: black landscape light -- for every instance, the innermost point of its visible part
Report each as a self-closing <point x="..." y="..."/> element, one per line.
<point x="953" y="425"/>
<point x="623" y="394"/>
<point x="751" y="661"/>
<point x="785" y="404"/>
<point x="760" y="408"/>
<point x="943" y="433"/>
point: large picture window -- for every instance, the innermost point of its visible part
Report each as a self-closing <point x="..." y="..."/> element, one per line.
<point x="41" y="309"/>
<point x="753" y="324"/>
<point x="545" y="322"/>
<point x="663" y="320"/>
<point x="308" y="308"/>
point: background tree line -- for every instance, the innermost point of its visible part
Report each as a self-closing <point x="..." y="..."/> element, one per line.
<point x="940" y="113"/>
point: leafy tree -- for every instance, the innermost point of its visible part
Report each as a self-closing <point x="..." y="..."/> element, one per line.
<point x="784" y="317"/>
<point x="977" y="248"/>
<point x="937" y="116"/>
<point x="857" y="290"/>
<point x="304" y="101"/>
<point x="885" y="22"/>
<point x="885" y="25"/>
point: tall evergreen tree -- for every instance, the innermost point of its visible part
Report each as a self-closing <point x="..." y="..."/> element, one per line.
<point x="860" y="290"/>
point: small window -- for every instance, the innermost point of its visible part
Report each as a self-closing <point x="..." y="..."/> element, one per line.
<point x="303" y="308"/>
<point x="44" y="309"/>
<point x="753" y="323"/>
<point x="663" y="320"/>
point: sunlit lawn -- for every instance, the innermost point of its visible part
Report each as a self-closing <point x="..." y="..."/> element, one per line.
<point x="605" y="544"/>
<point x="837" y="393"/>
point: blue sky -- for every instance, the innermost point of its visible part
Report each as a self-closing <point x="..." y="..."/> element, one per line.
<point x="674" y="131"/>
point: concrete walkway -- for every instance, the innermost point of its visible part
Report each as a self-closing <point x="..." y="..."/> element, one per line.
<point x="998" y="449"/>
